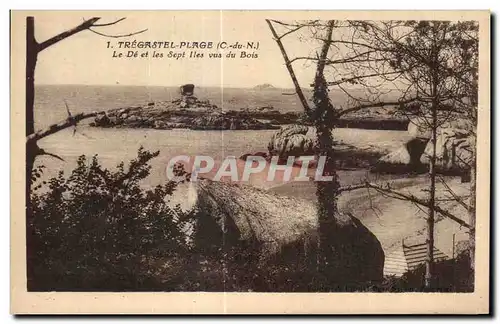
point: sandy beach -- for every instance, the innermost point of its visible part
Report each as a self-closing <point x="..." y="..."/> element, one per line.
<point x="393" y="220"/>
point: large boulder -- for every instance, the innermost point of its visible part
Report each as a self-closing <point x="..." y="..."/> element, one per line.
<point x="415" y="148"/>
<point x="459" y="122"/>
<point x="398" y="156"/>
<point x="284" y="228"/>
<point x="289" y="130"/>
<point x="186" y="89"/>
<point x="404" y="159"/>
<point x="453" y="150"/>
<point x="419" y="127"/>
<point x="291" y="140"/>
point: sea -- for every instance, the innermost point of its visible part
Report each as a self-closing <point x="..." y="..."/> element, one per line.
<point x="114" y="145"/>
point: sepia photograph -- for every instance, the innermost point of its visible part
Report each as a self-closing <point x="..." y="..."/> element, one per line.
<point x="234" y="156"/>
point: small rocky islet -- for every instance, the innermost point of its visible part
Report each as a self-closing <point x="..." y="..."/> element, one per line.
<point x="189" y="112"/>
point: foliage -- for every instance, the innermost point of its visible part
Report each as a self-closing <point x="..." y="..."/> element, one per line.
<point x="449" y="276"/>
<point x="437" y="62"/>
<point x="98" y="229"/>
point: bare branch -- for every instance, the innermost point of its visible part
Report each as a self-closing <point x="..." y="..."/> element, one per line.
<point x="109" y="24"/>
<point x="117" y="36"/>
<point x="405" y="197"/>
<point x="307" y="58"/>
<point x="67" y="109"/>
<point x="304" y="24"/>
<point x="43" y="152"/>
<point x="83" y="26"/>
<point x="52" y="129"/>
<point x="401" y="196"/>
<point x="332" y="62"/>
<point x="359" y="77"/>
<point x="289" y="66"/>
<point x="293" y="30"/>
<point x="281" y="23"/>
<point x="352" y="187"/>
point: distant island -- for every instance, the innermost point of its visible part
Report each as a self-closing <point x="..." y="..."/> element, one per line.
<point x="264" y="86"/>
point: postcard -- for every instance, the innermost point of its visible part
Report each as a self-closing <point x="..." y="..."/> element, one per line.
<point x="250" y="162"/>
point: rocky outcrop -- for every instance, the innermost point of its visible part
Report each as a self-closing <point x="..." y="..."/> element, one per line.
<point x="284" y="228"/>
<point x="220" y="121"/>
<point x="291" y="140"/>
<point x="181" y="113"/>
<point x="399" y="156"/>
<point x="187" y="89"/>
<point x="404" y="159"/>
<point x="186" y="112"/>
<point x="453" y="143"/>
<point x="453" y="147"/>
<point x="415" y="149"/>
<point x="453" y="150"/>
<point x="418" y="127"/>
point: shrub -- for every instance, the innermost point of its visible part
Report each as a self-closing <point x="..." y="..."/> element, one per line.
<point x="453" y="275"/>
<point x="98" y="229"/>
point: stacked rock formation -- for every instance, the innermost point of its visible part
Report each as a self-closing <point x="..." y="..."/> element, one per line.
<point x="454" y="145"/>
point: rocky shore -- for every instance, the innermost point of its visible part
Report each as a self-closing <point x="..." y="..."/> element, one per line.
<point x="188" y="112"/>
<point x="191" y="113"/>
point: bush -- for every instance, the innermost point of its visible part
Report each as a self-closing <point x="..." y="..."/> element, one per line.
<point x="99" y="230"/>
<point x="453" y="275"/>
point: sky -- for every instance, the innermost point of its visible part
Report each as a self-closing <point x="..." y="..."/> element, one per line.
<point x="85" y="59"/>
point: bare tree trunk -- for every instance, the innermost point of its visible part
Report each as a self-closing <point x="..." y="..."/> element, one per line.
<point x="472" y="217"/>
<point x="31" y="58"/>
<point x="473" y="178"/>
<point x="432" y="198"/>
<point x="32" y="149"/>
<point x="289" y="67"/>
<point x="429" y="264"/>
<point x="324" y="119"/>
